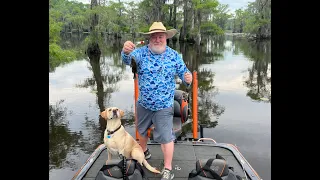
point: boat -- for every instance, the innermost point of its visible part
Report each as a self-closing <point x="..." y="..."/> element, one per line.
<point x="194" y="158"/>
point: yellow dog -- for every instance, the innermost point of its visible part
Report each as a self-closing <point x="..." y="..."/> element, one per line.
<point x="119" y="142"/>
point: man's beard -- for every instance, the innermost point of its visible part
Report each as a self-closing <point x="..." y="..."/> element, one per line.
<point x="158" y="49"/>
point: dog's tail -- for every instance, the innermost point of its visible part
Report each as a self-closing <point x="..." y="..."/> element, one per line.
<point x="149" y="167"/>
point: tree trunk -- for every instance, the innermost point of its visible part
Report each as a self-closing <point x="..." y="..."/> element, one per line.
<point x="93" y="47"/>
<point x="198" y="38"/>
<point x="184" y="27"/>
<point x="95" y="65"/>
<point x="175" y="14"/>
<point x="170" y="16"/>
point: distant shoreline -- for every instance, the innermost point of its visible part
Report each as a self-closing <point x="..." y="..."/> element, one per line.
<point x="236" y="34"/>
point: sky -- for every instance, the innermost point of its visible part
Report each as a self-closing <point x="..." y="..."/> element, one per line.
<point x="233" y="4"/>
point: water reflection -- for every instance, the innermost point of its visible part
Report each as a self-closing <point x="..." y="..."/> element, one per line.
<point x="195" y="55"/>
<point x="61" y="140"/>
<point x="214" y="49"/>
<point x="259" y="74"/>
<point x="107" y="72"/>
<point x="209" y="110"/>
<point x="73" y="41"/>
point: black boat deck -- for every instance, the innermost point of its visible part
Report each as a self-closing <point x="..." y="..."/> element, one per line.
<point x="184" y="160"/>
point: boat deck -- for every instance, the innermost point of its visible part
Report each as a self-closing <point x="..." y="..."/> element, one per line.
<point x="184" y="160"/>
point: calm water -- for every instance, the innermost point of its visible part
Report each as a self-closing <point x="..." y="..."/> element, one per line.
<point x="234" y="99"/>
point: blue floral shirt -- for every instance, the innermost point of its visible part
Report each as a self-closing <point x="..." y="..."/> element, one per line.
<point x="156" y="76"/>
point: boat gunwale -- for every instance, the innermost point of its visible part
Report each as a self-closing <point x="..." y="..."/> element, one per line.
<point x="89" y="162"/>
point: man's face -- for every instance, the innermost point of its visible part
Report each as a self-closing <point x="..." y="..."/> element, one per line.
<point x="158" y="42"/>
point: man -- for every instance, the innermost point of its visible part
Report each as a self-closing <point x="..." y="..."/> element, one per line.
<point x="157" y="65"/>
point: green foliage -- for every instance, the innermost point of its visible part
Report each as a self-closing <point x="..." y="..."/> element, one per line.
<point x="212" y="18"/>
<point x="54" y="27"/>
<point x="211" y="29"/>
<point x="144" y="29"/>
<point x="251" y="25"/>
<point x="205" y="4"/>
<point x="169" y="27"/>
<point x="58" y="56"/>
<point x="221" y="15"/>
<point x="127" y="17"/>
<point x="125" y="29"/>
<point x="255" y="19"/>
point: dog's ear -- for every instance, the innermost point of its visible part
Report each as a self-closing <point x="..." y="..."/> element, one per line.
<point x="103" y="114"/>
<point x="121" y="113"/>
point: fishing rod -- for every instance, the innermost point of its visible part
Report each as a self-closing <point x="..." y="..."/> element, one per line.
<point x="133" y="64"/>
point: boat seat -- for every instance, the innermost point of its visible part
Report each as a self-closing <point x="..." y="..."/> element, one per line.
<point x="215" y="168"/>
<point x="112" y="171"/>
<point x="181" y="111"/>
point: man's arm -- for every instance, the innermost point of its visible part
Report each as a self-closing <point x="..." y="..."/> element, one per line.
<point x="128" y="52"/>
<point x="181" y="69"/>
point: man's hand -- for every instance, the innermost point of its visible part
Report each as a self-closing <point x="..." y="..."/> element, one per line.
<point x="128" y="47"/>
<point x="188" y="77"/>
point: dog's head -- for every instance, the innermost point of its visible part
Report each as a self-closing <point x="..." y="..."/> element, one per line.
<point x="112" y="113"/>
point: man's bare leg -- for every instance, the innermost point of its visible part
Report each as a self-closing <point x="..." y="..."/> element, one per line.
<point x="167" y="150"/>
<point x="143" y="142"/>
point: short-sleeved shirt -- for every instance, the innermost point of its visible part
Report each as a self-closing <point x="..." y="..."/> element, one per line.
<point x="156" y="76"/>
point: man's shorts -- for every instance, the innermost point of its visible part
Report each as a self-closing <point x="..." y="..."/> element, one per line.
<point x="162" y="121"/>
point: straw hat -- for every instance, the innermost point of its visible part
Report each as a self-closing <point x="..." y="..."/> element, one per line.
<point x="159" y="27"/>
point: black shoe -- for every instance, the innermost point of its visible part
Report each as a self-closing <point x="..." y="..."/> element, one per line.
<point x="167" y="174"/>
<point x="147" y="154"/>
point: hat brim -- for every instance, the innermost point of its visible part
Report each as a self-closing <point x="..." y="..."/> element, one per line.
<point x="170" y="33"/>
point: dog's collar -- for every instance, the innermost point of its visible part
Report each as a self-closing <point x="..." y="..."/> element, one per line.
<point x="111" y="132"/>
